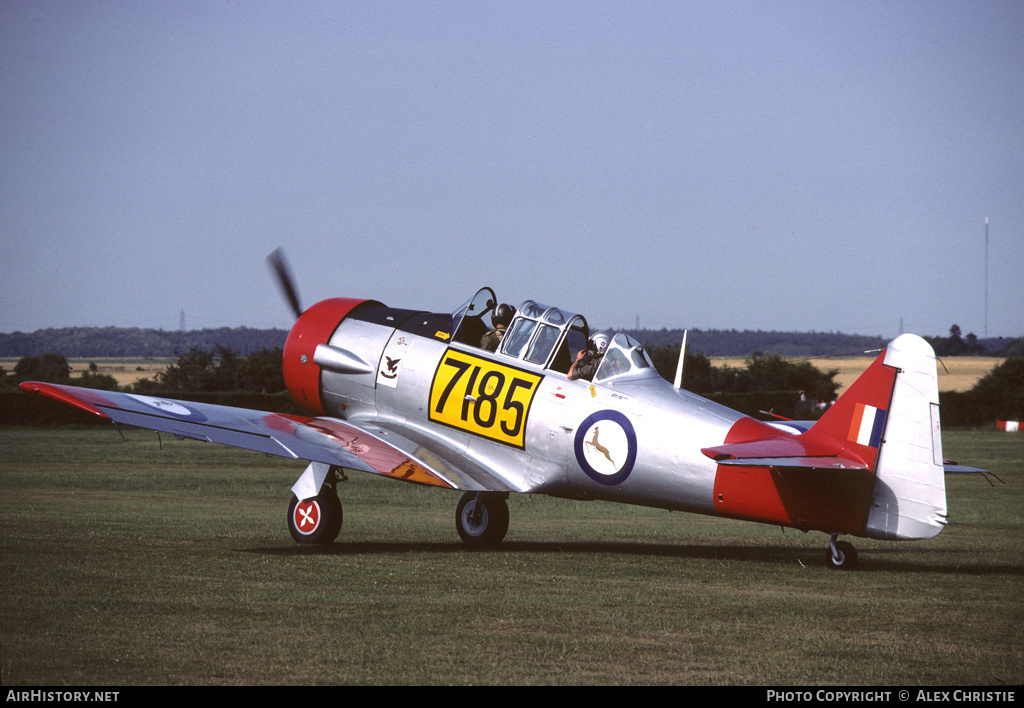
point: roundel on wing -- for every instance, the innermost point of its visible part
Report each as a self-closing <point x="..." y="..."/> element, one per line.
<point x="178" y="409"/>
<point x="605" y="447"/>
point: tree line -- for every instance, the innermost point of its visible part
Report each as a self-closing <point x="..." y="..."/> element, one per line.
<point x="970" y="345"/>
<point x="765" y="383"/>
<point x="119" y="342"/>
<point x="767" y="380"/>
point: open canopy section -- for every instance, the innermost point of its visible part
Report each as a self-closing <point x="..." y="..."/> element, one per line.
<point x="471" y="320"/>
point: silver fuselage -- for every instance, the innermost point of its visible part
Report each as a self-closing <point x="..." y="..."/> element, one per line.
<point x="667" y="426"/>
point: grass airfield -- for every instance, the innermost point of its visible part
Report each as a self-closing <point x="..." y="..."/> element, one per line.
<point x="122" y="563"/>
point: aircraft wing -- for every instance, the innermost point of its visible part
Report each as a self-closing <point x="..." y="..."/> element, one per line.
<point x="364" y="446"/>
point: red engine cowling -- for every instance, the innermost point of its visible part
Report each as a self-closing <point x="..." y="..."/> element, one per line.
<point x="314" y="326"/>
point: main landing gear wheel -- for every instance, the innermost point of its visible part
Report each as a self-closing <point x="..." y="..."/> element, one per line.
<point x="316" y="520"/>
<point x="482" y="519"/>
<point x="840" y="555"/>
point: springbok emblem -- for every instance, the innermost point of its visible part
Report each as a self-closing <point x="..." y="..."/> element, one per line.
<point x="593" y="443"/>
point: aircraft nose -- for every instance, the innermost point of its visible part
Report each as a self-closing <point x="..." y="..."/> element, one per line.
<point x="314" y="326"/>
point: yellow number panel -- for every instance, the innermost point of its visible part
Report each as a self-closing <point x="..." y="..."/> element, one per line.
<point x="483" y="397"/>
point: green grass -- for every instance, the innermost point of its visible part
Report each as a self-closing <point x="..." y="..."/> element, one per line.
<point x="125" y="564"/>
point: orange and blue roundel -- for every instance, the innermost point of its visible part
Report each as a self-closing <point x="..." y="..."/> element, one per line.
<point x="867" y="425"/>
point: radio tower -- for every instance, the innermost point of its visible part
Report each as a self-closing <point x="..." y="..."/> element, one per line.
<point x="986" y="277"/>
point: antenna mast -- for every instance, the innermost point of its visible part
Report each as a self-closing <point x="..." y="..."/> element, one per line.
<point x="986" y="277"/>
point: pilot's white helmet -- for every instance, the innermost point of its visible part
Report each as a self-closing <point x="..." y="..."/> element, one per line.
<point x="600" y="341"/>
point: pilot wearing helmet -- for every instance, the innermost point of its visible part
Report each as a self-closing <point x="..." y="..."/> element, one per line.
<point x="500" y="319"/>
<point x="587" y="361"/>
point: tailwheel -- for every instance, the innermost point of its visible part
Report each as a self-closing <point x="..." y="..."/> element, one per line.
<point x="840" y="555"/>
<point x="315" y="520"/>
<point x="482" y="518"/>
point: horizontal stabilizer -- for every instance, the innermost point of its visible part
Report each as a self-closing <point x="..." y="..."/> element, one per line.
<point x="821" y="463"/>
<point x="953" y="468"/>
<point x="782" y="450"/>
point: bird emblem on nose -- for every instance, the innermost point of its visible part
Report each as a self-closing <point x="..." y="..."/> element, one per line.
<point x="392" y="365"/>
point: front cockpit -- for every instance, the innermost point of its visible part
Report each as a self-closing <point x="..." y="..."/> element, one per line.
<point x="546" y="337"/>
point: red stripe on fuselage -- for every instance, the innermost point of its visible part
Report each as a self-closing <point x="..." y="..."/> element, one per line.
<point x="751" y="492"/>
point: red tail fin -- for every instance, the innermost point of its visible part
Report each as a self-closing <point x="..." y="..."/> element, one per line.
<point x="855" y="423"/>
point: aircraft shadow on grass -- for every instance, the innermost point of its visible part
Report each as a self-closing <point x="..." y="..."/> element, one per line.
<point x="924" y="562"/>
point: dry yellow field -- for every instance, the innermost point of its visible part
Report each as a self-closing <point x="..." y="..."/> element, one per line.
<point x="955" y="373"/>
<point x="125" y="371"/>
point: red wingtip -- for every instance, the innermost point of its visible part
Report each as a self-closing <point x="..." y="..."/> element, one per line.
<point x="68" y="395"/>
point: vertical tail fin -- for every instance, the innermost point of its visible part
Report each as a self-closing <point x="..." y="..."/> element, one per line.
<point x="890" y="419"/>
<point x="909" y="500"/>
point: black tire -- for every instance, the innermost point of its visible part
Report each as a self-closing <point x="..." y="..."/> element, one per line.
<point x="847" y="556"/>
<point x="316" y="520"/>
<point x="481" y="519"/>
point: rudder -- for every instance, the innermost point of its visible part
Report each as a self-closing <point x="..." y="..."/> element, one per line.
<point x="909" y="497"/>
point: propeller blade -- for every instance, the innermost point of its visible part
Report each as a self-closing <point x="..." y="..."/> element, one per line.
<point x="285" y="281"/>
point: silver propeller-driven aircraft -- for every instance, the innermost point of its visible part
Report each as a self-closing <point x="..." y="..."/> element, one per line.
<point x="425" y="398"/>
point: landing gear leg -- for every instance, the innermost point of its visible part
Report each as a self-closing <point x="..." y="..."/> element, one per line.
<point x="840" y="555"/>
<point x="482" y="518"/>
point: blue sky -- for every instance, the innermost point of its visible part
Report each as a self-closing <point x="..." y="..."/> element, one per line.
<point x="750" y="165"/>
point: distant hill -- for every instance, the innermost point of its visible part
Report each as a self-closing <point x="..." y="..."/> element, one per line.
<point x="718" y="342"/>
<point x="103" y="342"/>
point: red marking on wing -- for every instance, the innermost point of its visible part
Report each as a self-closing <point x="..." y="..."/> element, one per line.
<point x="383" y="458"/>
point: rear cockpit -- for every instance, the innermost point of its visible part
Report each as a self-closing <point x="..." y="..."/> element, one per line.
<point x="624" y="356"/>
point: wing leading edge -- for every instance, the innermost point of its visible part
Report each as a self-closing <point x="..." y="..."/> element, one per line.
<point x="330" y="441"/>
